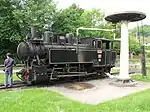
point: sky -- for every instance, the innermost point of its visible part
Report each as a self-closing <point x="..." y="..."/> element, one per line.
<point x="110" y="6"/>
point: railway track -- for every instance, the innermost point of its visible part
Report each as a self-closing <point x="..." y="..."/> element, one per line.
<point x="16" y="84"/>
<point x="20" y="84"/>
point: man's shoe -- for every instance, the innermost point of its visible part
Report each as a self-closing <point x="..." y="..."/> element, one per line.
<point x="6" y="86"/>
<point x="11" y="86"/>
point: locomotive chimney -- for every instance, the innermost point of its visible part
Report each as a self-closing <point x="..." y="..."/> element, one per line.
<point x="33" y="32"/>
<point x="48" y="34"/>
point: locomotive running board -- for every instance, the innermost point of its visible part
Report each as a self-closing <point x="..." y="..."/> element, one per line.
<point x="72" y="75"/>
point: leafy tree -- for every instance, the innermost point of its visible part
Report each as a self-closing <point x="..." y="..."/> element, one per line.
<point x="142" y="31"/>
<point x="137" y="35"/>
<point x="9" y="28"/>
<point x="67" y="20"/>
<point x="16" y="16"/>
<point x="134" y="44"/>
<point x="34" y="12"/>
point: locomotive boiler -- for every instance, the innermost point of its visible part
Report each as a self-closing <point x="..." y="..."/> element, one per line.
<point x="50" y="57"/>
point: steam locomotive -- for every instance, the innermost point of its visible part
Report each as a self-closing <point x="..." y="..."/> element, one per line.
<point x="53" y="57"/>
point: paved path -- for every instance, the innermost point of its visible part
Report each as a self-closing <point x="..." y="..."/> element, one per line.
<point x="102" y="91"/>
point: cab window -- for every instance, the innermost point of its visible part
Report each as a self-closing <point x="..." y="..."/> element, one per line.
<point x="99" y="44"/>
<point x="94" y="44"/>
<point x="105" y="45"/>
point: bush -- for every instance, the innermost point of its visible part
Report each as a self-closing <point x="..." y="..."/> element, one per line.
<point x="147" y="54"/>
<point x="3" y="57"/>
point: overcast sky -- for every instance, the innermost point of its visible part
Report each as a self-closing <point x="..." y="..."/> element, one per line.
<point x="109" y="6"/>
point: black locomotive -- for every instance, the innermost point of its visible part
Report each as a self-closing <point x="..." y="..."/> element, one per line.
<point x="52" y="57"/>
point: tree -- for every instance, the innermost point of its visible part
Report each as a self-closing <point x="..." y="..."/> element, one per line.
<point x="93" y="19"/>
<point x="16" y="17"/>
<point x="136" y="37"/>
<point x="34" y="12"/>
<point x="142" y="31"/>
<point x="68" y="20"/>
<point x="134" y="44"/>
<point x="9" y="27"/>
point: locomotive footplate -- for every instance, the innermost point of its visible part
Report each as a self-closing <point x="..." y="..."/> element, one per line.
<point x="71" y="74"/>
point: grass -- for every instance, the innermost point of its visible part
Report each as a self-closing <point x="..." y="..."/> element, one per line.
<point x="40" y="100"/>
<point x="15" y="68"/>
<point x="2" y="77"/>
<point x="139" y="77"/>
<point x="115" y="70"/>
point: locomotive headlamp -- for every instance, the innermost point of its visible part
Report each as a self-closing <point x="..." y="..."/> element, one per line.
<point x="99" y="51"/>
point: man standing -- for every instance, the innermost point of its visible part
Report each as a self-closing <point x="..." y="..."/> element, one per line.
<point x="9" y="62"/>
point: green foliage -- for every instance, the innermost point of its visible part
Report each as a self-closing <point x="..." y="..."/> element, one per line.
<point x="148" y="54"/>
<point x="73" y="17"/>
<point x="16" y="16"/>
<point x="134" y="44"/>
<point x="67" y="20"/>
<point x="8" y="23"/>
<point x="142" y="31"/>
<point x="34" y="12"/>
<point x="116" y="46"/>
<point x="141" y="78"/>
<point x="9" y="29"/>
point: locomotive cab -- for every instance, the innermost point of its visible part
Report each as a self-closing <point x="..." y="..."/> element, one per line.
<point x="106" y="56"/>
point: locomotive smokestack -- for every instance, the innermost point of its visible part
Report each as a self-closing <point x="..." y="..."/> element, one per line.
<point x="33" y="32"/>
<point x="48" y="34"/>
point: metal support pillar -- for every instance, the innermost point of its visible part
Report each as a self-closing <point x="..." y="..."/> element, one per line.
<point x="124" y="53"/>
<point x="143" y="61"/>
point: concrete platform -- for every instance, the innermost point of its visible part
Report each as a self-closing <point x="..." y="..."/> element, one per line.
<point x="102" y="91"/>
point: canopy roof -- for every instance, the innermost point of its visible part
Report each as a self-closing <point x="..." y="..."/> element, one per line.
<point x="130" y="16"/>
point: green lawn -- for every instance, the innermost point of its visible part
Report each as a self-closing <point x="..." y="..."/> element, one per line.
<point x="141" y="78"/>
<point x="2" y="77"/>
<point x="40" y="100"/>
<point x="115" y="70"/>
<point x="15" y="68"/>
